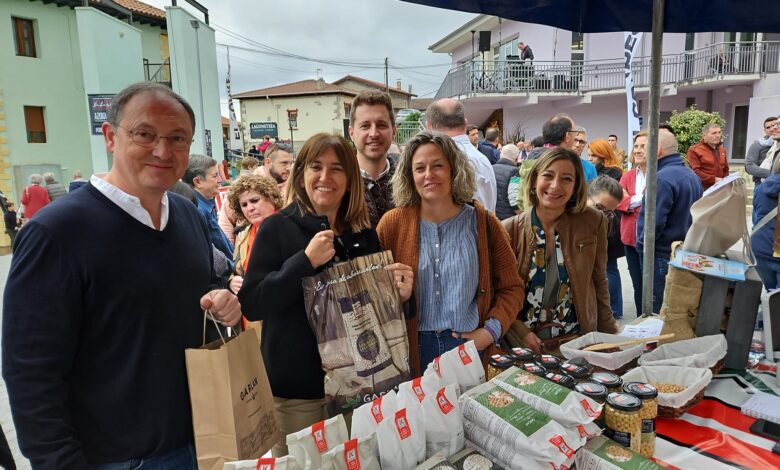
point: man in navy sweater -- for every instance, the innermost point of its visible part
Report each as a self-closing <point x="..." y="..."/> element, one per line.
<point x="677" y="188"/>
<point x="105" y="293"/>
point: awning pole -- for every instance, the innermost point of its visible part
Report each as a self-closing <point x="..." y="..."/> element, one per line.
<point x="648" y="259"/>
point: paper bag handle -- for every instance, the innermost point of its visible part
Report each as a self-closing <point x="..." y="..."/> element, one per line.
<point x="207" y="314"/>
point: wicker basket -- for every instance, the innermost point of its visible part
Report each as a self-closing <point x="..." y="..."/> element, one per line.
<point x="621" y="370"/>
<point x="674" y="413"/>
<point x="718" y="366"/>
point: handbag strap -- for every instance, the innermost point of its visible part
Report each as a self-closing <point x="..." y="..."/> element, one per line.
<point x="764" y="220"/>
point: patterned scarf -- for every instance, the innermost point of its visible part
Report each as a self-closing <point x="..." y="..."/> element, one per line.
<point x="533" y="312"/>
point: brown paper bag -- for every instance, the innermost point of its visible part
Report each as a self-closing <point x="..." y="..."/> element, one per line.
<point x="233" y="414"/>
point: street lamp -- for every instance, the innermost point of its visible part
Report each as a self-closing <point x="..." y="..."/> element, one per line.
<point x="206" y="133"/>
<point x="292" y="118"/>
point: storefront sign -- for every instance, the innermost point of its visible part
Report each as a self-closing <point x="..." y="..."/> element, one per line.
<point x="258" y="129"/>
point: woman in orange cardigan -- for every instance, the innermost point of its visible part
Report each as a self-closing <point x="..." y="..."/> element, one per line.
<point x="466" y="282"/>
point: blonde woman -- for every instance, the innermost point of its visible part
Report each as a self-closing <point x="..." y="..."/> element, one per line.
<point x="466" y="287"/>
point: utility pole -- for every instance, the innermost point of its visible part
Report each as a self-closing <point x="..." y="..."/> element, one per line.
<point x="387" y="83"/>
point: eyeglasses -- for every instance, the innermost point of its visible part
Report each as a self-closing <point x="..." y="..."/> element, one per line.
<point x="581" y="141"/>
<point x="150" y="139"/>
<point x="774" y="124"/>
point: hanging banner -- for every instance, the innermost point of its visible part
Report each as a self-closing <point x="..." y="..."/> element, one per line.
<point x="236" y="142"/>
<point x="631" y="45"/>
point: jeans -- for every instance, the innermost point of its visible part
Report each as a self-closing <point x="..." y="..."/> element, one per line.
<point x="615" y="288"/>
<point x="769" y="272"/>
<point x="434" y="344"/>
<point x="179" y="459"/>
<point x="635" y="270"/>
<point x="660" y="268"/>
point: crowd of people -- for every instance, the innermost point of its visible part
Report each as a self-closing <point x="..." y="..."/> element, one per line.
<point x="486" y="238"/>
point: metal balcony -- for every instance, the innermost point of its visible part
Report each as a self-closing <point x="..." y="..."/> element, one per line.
<point x="160" y="73"/>
<point x="720" y="60"/>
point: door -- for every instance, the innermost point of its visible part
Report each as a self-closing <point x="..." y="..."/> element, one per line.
<point x="739" y="131"/>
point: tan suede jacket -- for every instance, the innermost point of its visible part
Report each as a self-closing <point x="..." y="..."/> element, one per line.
<point x="584" y="244"/>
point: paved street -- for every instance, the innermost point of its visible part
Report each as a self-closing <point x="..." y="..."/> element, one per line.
<point x="5" y="413"/>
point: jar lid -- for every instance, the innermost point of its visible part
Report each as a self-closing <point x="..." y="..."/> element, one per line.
<point x="549" y="361"/>
<point x="561" y="379"/>
<point x="575" y="370"/>
<point x="607" y="379"/>
<point x="534" y="368"/>
<point x="624" y="401"/>
<point x="641" y="390"/>
<point x="522" y="354"/>
<point x="501" y="361"/>
<point x="592" y="390"/>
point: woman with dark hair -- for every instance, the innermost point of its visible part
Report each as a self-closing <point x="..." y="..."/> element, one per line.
<point x="604" y="194"/>
<point x="603" y="156"/>
<point x="467" y="287"/>
<point x="633" y="184"/>
<point x="561" y="247"/>
<point x="325" y="221"/>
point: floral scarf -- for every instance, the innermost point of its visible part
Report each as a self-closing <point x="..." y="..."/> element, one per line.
<point x="533" y="312"/>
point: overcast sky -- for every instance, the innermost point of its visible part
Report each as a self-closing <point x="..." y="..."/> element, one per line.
<point x="359" y="32"/>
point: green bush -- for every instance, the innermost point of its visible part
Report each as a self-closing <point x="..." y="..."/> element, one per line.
<point x="413" y="117"/>
<point x="688" y="124"/>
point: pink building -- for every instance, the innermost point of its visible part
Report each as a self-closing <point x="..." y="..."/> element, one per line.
<point x="734" y="74"/>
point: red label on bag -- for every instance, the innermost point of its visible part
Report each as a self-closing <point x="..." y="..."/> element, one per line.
<point x="436" y="365"/>
<point x="588" y="409"/>
<point x="417" y="389"/>
<point x="402" y="424"/>
<point x="558" y="442"/>
<point x="464" y="355"/>
<point x="581" y="429"/>
<point x="376" y="410"/>
<point x="266" y="464"/>
<point x="351" y="457"/>
<point x="318" y="433"/>
<point x="444" y="405"/>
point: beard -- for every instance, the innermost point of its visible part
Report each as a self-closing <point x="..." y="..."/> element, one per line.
<point x="277" y="176"/>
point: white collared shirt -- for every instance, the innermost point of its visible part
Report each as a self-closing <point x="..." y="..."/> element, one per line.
<point x="373" y="180"/>
<point x="486" y="177"/>
<point x="129" y="203"/>
<point x="639" y="189"/>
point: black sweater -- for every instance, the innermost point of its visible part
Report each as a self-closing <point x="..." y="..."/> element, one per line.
<point x="273" y="292"/>
<point x="98" y="311"/>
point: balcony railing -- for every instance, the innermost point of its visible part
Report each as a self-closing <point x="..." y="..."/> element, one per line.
<point x="406" y="130"/>
<point x="512" y="76"/>
<point x="160" y="73"/>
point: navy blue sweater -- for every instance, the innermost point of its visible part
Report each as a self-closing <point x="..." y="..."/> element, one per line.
<point x="764" y="201"/>
<point x="98" y="311"/>
<point x="677" y="188"/>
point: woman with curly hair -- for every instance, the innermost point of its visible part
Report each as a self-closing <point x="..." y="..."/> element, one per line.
<point x="603" y="156"/>
<point x="466" y="283"/>
<point x="252" y="198"/>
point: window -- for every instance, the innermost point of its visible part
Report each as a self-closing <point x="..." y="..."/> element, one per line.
<point x="690" y="101"/>
<point x="33" y="120"/>
<point x="24" y="37"/>
<point x="577" y="41"/>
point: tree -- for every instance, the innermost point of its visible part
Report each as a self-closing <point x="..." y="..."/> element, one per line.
<point x="413" y="117"/>
<point x="687" y="125"/>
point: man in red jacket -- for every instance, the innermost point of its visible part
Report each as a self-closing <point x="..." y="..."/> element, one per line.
<point x="708" y="157"/>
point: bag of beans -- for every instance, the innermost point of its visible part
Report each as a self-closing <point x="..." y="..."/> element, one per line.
<point x="414" y="391"/>
<point x="307" y="445"/>
<point x="505" y="455"/>
<point x="605" y="454"/>
<point x="355" y="454"/>
<point x="619" y="360"/>
<point x="366" y="418"/>
<point x="443" y="422"/>
<point x="465" y="364"/>
<point x="556" y="401"/>
<point x="519" y="425"/>
<point x="269" y="463"/>
<point x="401" y="439"/>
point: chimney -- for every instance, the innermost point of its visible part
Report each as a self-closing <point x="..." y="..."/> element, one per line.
<point x="320" y="84"/>
<point x="398" y="85"/>
<point x="410" y="88"/>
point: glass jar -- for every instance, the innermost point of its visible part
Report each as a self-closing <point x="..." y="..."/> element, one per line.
<point x="522" y="355"/>
<point x="613" y="382"/>
<point x="578" y="371"/>
<point x="622" y="419"/>
<point x="549" y="362"/>
<point x="498" y="363"/>
<point x="595" y="392"/>
<point x="648" y="394"/>
<point x="534" y="368"/>
<point x="561" y="379"/>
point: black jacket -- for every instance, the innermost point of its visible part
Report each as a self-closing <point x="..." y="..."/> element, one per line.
<point x="273" y="292"/>
<point x="504" y="170"/>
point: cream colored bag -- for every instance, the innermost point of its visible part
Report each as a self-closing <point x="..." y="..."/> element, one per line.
<point x="720" y="220"/>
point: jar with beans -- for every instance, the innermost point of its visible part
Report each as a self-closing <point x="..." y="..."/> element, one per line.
<point x="498" y="363"/>
<point x="522" y="355"/>
<point x="613" y="382"/>
<point x="623" y="422"/>
<point x="649" y="397"/>
<point x="595" y="392"/>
